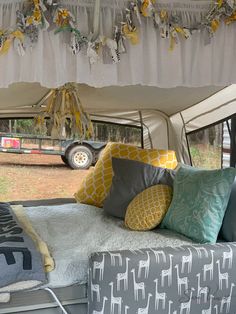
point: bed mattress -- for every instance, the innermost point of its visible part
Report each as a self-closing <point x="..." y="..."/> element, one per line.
<point x="74" y="231"/>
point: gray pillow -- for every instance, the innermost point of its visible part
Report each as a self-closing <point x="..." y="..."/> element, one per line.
<point x="228" y="229"/>
<point x="130" y="178"/>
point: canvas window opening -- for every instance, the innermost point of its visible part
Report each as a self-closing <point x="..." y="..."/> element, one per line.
<point x="214" y="146"/>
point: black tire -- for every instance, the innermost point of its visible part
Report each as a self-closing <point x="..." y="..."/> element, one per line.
<point x="97" y="156"/>
<point x="79" y="157"/>
<point x="64" y="159"/>
<point x="100" y="153"/>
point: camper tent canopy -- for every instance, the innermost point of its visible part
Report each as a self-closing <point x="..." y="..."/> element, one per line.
<point x="165" y="114"/>
<point x="170" y="93"/>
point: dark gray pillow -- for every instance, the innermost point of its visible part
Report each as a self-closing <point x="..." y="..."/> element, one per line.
<point x="130" y="178"/>
<point x="228" y="229"/>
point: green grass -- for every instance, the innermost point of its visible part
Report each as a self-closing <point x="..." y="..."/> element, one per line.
<point x="206" y="156"/>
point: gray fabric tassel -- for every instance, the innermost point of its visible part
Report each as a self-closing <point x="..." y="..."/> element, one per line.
<point x="19" y="47"/>
<point x="74" y="44"/>
<point x="120" y="41"/>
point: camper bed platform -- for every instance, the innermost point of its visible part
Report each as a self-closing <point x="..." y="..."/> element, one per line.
<point x="73" y="298"/>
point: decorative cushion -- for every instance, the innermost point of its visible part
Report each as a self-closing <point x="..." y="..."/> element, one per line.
<point x="130" y="178"/>
<point x="97" y="183"/>
<point x="41" y="246"/>
<point x="148" y="208"/>
<point x="228" y="229"/>
<point x="199" y="202"/>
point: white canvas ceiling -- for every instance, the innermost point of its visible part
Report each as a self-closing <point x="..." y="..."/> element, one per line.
<point x="166" y="113"/>
<point x="21" y="97"/>
<point x="167" y="100"/>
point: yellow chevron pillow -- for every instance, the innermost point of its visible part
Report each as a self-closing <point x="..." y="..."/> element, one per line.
<point x="96" y="185"/>
<point x="148" y="208"/>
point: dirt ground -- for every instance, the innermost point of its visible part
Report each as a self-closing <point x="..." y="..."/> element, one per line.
<point x="24" y="177"/>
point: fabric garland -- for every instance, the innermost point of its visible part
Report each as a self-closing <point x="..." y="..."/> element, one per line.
<point x="47" y="15"/>
<point x="65" y="115"/>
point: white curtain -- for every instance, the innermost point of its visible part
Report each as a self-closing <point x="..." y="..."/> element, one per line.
<point x="149" y="63"/>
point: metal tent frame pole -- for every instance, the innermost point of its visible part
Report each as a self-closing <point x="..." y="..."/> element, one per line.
<point x="233" y="142"/>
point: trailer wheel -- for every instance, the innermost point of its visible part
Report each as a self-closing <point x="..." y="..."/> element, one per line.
<point x="100" y="153"/>
<point x="80" y="157"/>
<point x="65" y="160"/>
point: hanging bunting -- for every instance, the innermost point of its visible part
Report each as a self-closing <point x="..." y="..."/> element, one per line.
<point x="16" y="37"/>
<point x="134" y="8"/>
<point x="131" y="35"/>
<point x="48" y="15"/>
<point x="93" y="52"/>
<point x="119" y="38"/>
<point x="147" y="7"/>
<point x="64" y="113"/>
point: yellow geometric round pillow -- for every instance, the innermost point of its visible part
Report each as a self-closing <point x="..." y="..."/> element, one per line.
<point x="148" y="208"/>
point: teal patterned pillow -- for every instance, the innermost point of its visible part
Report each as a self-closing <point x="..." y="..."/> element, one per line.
<point x="199" y="202"/>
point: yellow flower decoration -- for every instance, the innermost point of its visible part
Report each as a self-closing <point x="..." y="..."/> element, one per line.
<point x="163" y="15"/>
<point x="231" y="19"/>
<point x="8" y="39"/>
<point x="131" y="35"/>
<point x="18" y="34"/>
<point x="36" y="2"/>
<point x="64" y="13"/>
<point x="214" y="25"/>
<point x="29" y="20"/>
<point x="37" y="15"/>
<point x="62" y="17"/>
<point x="6" y="46"/>
<point x="145" y="5"/>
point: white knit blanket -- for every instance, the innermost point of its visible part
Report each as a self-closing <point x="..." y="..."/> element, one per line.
<point x="74" y="231"/>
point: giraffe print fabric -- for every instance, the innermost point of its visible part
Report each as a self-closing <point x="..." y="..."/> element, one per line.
<point x="190" y="279"/>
